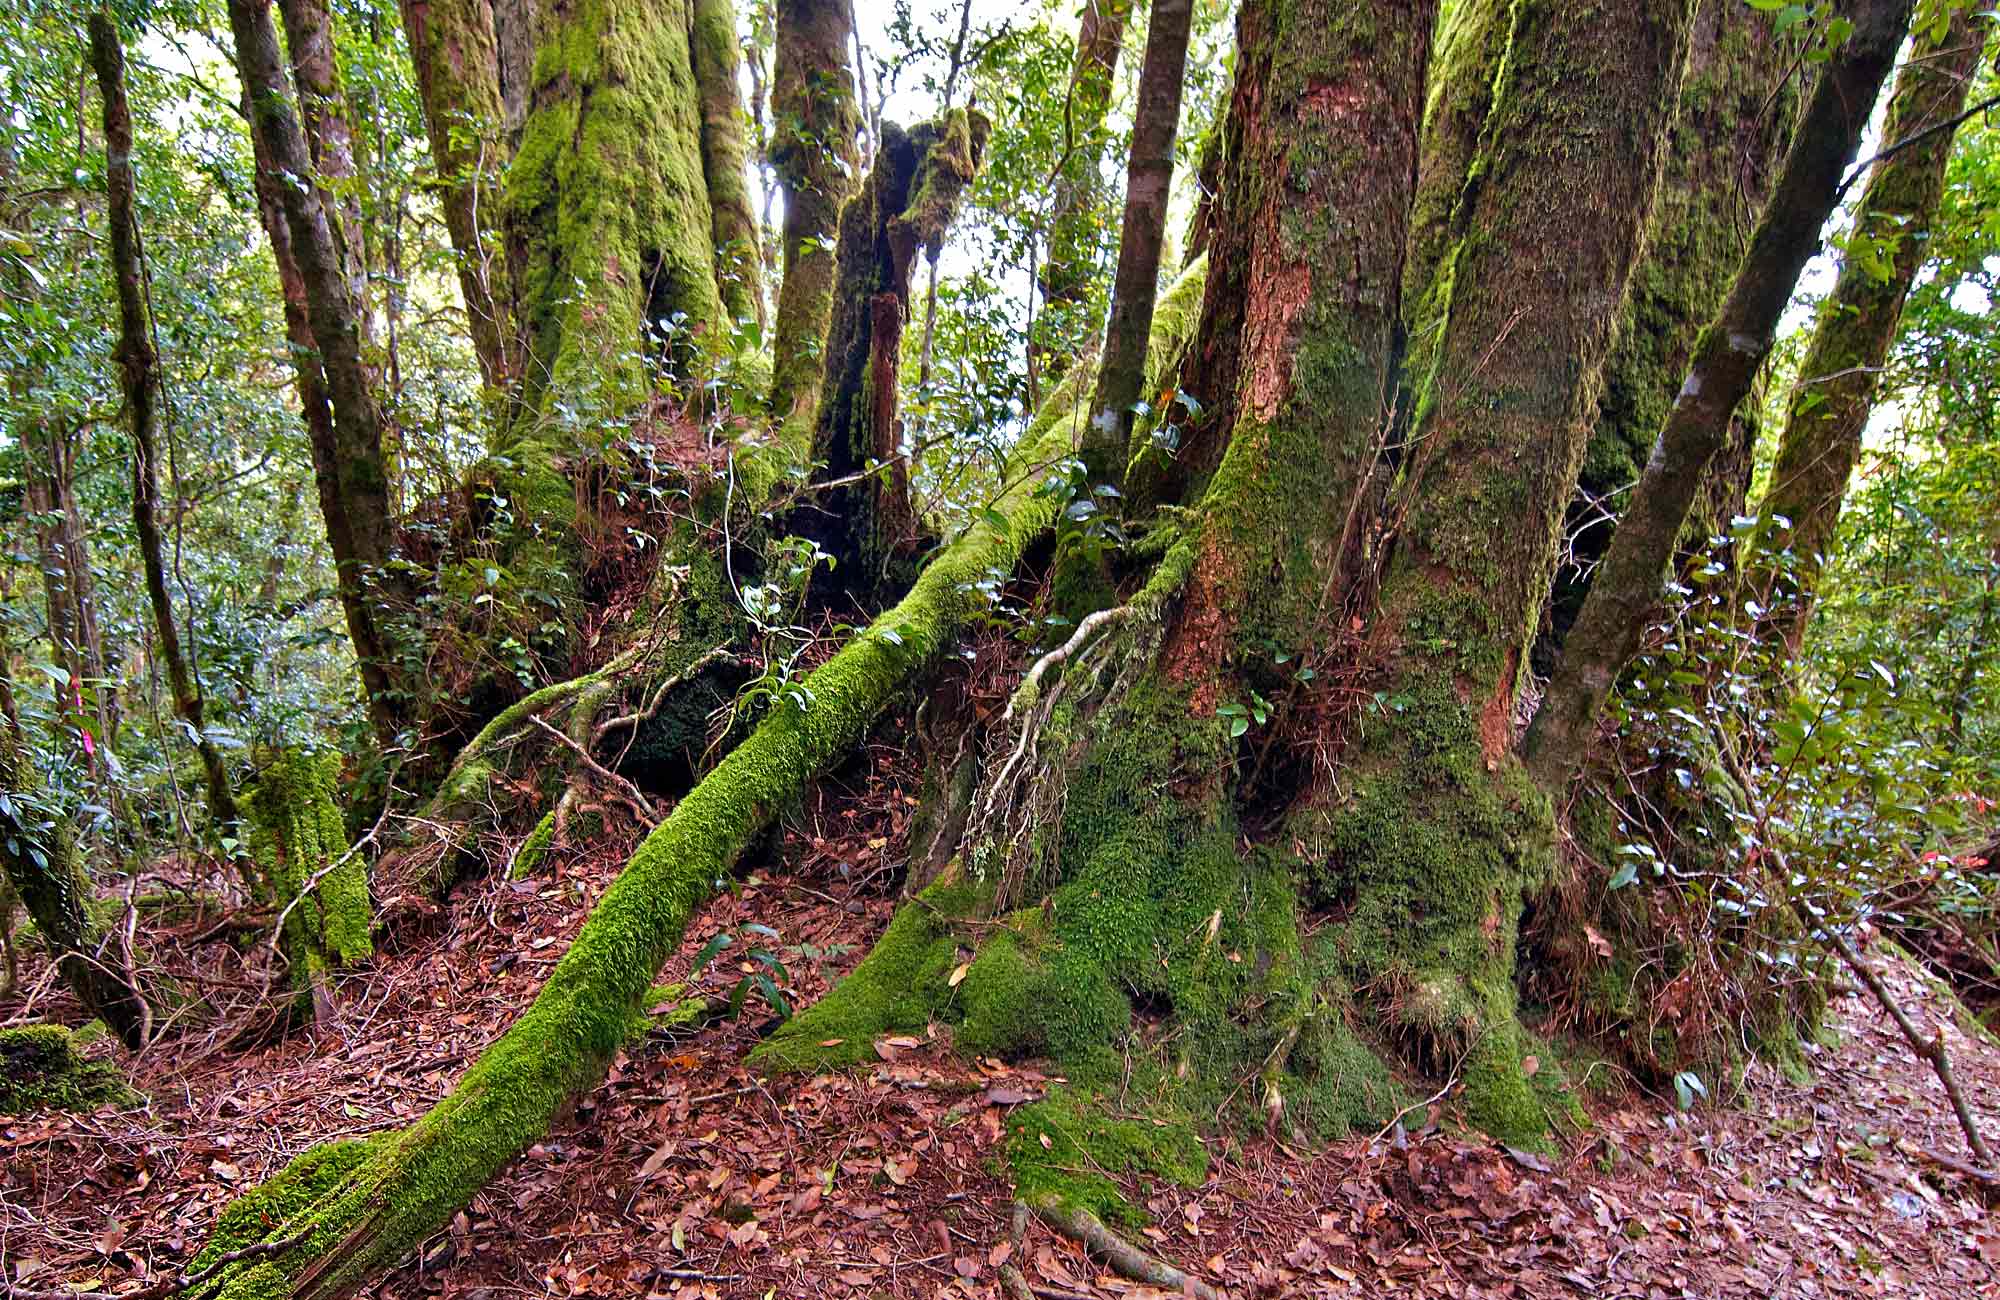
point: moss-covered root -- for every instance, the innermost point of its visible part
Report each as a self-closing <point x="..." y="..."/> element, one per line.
<point x="320" y="886"/>
<point x="412" y="1183"/>
<point x="44" y="1067"/>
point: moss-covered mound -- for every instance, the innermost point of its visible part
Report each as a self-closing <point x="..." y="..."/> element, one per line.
<point x="43" y="1067"/>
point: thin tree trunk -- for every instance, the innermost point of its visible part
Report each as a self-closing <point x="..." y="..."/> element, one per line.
<point x="323" y="112"/>
<point x="739" y="265"/>
<point x="1839" y="376"/>
<point x="455" y="54"/>
<point x="1107" y="438"/>
<point x="138" y="368"/>
<point x="1076" y="223"/>
<point x="814" y="118"/>
<point x="351" y="470"/>
<point x="69" y="587"/>
<point x="1726" y="361"/>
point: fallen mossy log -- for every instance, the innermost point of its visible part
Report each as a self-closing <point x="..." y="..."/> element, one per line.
<point x="410" y="1183"/>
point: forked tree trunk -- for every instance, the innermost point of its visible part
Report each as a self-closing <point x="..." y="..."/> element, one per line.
<point x="863" y="517"/>
<point x="1726" y="359"/>
<point x="1839" y="376"/>
<point x="138" y="368"/>
<point x="455" y="53"/>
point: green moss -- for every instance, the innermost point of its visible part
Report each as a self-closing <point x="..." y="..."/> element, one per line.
<point x="299" y="844"/>
<point x="896" y="989"/>
<point x="533" y="849"/>
<point x="278" y="1200"/>
<point x="43" y="1067"/>
<point x="1065" y="1150"/>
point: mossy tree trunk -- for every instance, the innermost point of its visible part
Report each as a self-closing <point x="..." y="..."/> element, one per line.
<point x="1726" y="359"/>
<point x="138" y="367"/>
<point x="1838" y="378"/>
<point x="814" y="120"/>
<point x="307" y="872"/>
<point x="1735" y="114"/>
<point x="455" y="53"/>
<point x="326" y="325"/>
<point x="862" y="515"/>
<point x="733" y="222"/>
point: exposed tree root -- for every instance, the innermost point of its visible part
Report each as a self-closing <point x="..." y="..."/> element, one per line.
<point x="1088" y="1231"/>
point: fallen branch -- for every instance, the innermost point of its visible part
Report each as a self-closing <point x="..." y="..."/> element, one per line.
<point x="1929" y="1049"/>
<point x="1126" y="1259"/>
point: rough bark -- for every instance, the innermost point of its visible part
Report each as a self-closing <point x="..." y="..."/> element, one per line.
<point x="733" y="222"/>
<point x="814" y="120"/>
<point x="1838" y="378"/>
<point x="39" y="857"/>
<point x="517" y="30"/>
<point x="863" y="516"/>
<point x="1107" y="438"/>
<point x="1726" y="359"/>
<point x="139" y="373"/>
<point x="455" y="54"/>
<point x="324" y="113"/>
<point x="370" y="1204"/>
<point x="308" y="873"/>
<point x="1735" y="114"/>
<point x="354" y="489"/>
<point x="1077" y="215"/>
<point x="1438" y="830"/>
<point x="1472" y="35"/>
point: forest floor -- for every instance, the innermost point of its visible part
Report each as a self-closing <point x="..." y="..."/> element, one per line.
<point x="685" y="1176"/>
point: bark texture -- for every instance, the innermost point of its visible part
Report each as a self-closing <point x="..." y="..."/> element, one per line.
<point x="455" y="53"/>
<point x="1727" y="357"/>
<point x="814" y="121"/>
<point x="1107" y="438"/>
<point x="733" y="222"/>
<point x="1838" y="377"/>
<point x="1735" y="115"/>
<point x="608" y="230"/>
<point x="138" y="367"/>
<point x="1438" y="830"/>
<point x="353" y="483"/>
